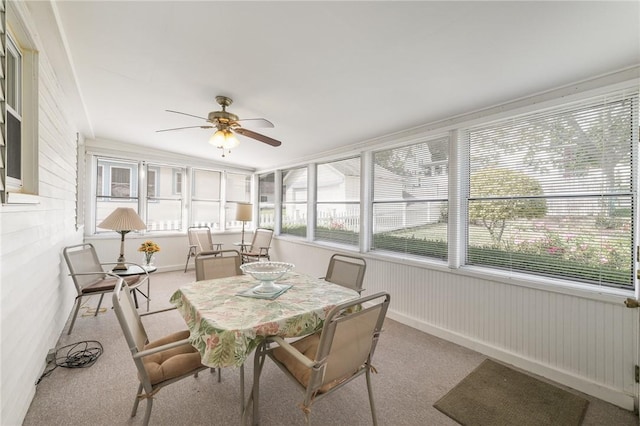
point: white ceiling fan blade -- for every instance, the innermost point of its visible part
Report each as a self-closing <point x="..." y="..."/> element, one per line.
<point x="188" y="127"/>
<point x="184" y="113"/>
<point x="256" y="122"/>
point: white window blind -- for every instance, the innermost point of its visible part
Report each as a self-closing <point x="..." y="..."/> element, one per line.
<point x="551" y="193"/>
<point x="238" y="190"/>
<point x="266" y="200"/>
<point x="410" y="194"/>
<point x="116" y="186"/>
<point x="164" y="198"/>
<point x="205" y="198"/>
<point x="338" y="201"/>
<point x="294" y="202"/>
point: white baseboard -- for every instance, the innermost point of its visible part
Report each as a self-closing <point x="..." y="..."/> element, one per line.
<point x="608" y="394"/>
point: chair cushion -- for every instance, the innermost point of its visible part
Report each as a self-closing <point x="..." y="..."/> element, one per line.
<point x="171" y="363"/>
<point x="108" y="283"/>
<point x="308" y="346"/>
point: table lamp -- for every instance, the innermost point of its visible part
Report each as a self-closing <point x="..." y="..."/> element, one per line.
<point x="122" y="220"/>
<point x="244" y="213"/>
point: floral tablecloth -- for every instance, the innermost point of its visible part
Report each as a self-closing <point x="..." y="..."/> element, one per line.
<point x="226" y="327"/>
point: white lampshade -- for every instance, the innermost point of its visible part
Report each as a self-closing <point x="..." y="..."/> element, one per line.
<point x="123" y="219"/>
<point x="224" y="139"/>
<point x="244" y="212"/>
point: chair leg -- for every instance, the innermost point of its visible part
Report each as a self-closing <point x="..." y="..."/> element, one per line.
<point x="241" y="388"/>
<point x="75" y="314"/>
<point x="371" y="403"/>
<point x="258" y="362"/>
<point x="190" y="254"/>
<point x="147" y="411"/>
<point x="213" y="370"/>
<point x="148" y="292"/>
<point x="137" y="401"/>
<point x="99" y="303"/>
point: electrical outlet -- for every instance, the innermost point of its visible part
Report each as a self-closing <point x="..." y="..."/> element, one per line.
<point x="51" y="355"/>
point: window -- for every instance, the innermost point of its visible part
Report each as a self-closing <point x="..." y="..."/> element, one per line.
<point x="205" y="198"/>
<point x="267" y="197"/>
<point x="152" y="182"/>
<point x="14" y="115"/>
<point x="177" y="181"/>
<point x="120" y="182"/>
<point x="19" y="143"/>
<point x="410" y="195"/>
<point x="99" y="181"/>
<point x="164" y="203"/>
<point x="552" y="193"/>
<point x="116" y="186"/>
<point x="238" y="190"/>
<point x="338" y="202"/>
<point x="294" y="202"/>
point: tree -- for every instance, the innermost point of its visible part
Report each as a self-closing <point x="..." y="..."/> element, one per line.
<point x="502" y="195"/>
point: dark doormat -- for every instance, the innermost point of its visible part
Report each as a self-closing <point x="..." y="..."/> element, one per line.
<point x="494" y="394"/>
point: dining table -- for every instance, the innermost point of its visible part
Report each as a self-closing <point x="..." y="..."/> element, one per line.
<point x="227" y="321"/>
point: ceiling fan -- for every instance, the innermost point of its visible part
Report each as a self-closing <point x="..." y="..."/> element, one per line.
<point x="227" y="124"/>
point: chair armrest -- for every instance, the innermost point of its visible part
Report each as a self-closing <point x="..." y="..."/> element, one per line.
<point x="157" y="349"/>
<point x="159" y="311"/>
<point x="293" y="351"/>
<point x="95" y="273"/>
<point x="90" y="273"/>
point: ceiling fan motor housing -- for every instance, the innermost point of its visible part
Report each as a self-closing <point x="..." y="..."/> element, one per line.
<point x="222" y="117"/>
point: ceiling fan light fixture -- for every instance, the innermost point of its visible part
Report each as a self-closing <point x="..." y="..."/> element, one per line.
<point x="224" y="139"/>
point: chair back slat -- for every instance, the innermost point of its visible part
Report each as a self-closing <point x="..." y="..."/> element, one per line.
<point x="347" y="271"/>
<point x="201" y="238"/>
<point x="128" y="317"/>
<point x="261" y="239"/>
<point x="80" y="259"/>
<point x="351" y="344"/>
<point x="217" y="264"/>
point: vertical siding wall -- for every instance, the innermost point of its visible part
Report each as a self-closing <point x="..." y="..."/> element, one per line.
<point x="580" y="341"/>
<point x="36" y="295"/>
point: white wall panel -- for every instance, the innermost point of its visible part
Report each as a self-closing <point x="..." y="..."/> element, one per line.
<point x="36" y="295"/>
<point x="584" y="342"/>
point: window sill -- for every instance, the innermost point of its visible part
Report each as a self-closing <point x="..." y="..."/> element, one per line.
<point x="20" y="198"/>
<point x="555" y="285"/>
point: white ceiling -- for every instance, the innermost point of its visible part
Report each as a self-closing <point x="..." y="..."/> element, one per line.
<point x="327" y="74"/>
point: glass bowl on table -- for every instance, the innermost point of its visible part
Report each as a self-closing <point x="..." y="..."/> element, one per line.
<point x="267" y="273"/>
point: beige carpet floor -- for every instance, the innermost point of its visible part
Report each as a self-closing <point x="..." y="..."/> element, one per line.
<point x="414" y="371"/>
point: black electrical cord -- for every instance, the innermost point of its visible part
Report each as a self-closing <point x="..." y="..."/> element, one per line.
<point x="78" y="355"/>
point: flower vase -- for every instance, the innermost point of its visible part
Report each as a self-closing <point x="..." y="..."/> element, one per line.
<point x="148" y="259"/>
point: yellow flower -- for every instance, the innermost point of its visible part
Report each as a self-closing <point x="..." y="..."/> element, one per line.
<point x="149" y="247"/>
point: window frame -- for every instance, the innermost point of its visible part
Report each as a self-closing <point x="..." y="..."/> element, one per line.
<point x="14" y="112"/>
<point x="25" y="189"/>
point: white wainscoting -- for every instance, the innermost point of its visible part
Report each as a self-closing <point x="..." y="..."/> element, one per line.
<point x="579" y="341"/>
